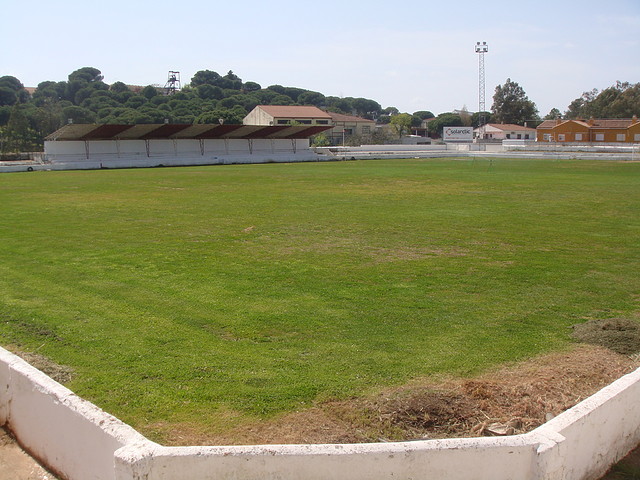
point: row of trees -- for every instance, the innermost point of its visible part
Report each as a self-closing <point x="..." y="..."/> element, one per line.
<point x="618" y="101"/>
<point x="85" y="98"/>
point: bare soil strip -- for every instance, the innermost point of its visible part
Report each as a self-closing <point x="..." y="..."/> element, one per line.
<point x="511" y="400"/>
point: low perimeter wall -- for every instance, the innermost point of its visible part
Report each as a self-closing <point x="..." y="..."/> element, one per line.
<point x="78" y="441"/>
<point x="95" y="154"/>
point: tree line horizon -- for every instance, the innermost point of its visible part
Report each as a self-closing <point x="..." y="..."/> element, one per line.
<point x="25" y="120"/>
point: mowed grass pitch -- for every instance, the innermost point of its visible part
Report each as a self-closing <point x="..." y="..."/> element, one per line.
<point x="214" y="296"/>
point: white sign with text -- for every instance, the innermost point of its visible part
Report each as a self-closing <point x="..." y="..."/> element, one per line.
<point x="457" y="134"/>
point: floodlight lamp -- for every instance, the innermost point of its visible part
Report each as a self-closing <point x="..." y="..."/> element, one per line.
<point x="482" y="48"/>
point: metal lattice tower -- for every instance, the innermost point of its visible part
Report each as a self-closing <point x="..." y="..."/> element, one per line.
<point x="173" y="83"/>
<point x="481" y="49"/>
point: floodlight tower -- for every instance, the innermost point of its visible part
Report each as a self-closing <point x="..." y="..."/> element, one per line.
<point x="481" y="49"/>
<point x="173" y="83"/>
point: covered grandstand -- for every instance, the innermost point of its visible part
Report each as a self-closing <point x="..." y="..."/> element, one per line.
<point x="144" y="145"/>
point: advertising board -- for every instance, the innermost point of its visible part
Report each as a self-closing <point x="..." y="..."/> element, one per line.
<point x="457" y="134"/>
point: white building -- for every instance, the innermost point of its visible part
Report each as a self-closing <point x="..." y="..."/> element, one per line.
<point x="287" y="115"/>
<point x="342" y="126"/>
<point x="504" y="131"/>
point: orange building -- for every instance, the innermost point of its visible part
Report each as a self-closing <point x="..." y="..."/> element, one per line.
<point x="589" y="131"/>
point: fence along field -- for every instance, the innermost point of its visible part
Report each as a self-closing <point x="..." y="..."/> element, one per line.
<point x="206" y="298"/>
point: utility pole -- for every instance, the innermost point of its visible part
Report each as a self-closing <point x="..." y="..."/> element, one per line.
<point x="481" y="49"/>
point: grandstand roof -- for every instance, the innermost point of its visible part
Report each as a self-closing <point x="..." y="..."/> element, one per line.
<point x="84" y="132"/>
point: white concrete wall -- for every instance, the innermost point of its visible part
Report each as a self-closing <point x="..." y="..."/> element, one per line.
<point x="481" y="459"/>
<point x="63" y="155"/>
<point x="570" y="147"/>
<point x="80" y="441"/>
<point x="277" y="151"/>
<point x="595" y="433"/>
<point x="385" y="148"/>
<point x="258" y="116"/>
<point x="71" y="436"/>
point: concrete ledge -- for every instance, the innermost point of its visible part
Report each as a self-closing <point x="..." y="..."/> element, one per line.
<point x="481" y="458"/>
<point x="78" y="161"/>
<point x="597" y="432"/>
<point x="79" y="441"/>
<point x="72" y="437"/>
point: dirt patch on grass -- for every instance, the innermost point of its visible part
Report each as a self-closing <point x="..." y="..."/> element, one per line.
<point x="382" y="255"/>
<point x="511" y="400"/>
<point x="376" y="254"/>
<point x="621" y="335"/>
<point x="60" y="373"/>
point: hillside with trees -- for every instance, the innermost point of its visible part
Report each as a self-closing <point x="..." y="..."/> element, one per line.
<point x="26" y="119"/>
<point x="85" y="98"/>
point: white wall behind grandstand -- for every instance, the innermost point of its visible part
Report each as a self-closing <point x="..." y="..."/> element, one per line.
<point x="145" y="153"/>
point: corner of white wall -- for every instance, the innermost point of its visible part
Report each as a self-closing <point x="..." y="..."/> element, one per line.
<point x="66" y="433"/>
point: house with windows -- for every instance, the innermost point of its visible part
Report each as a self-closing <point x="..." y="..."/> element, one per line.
<point x="347" y="125"/>
<point x="281" y="115"/>
<point x="504" y="131"/>
<point x="590" y="131"/>
<point x="343" y="126"/>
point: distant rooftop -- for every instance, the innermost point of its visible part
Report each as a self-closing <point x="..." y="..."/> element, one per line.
<point x="294" y="111"/>
<point x="509" y="126"/>
<point x="615" y="123"/>
<point x="339" y="117"/>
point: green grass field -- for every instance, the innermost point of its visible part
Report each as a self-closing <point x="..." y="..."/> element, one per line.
<point x="219" y="295"/>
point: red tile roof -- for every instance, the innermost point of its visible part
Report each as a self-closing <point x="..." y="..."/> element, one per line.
<point x="339" y="117"/>
<point x="612" y="123"/>
<point x="294" y="111"/>
<point x="615" y="123"/>
<point x="547" y="124"/>
<point x="509" y="127"/>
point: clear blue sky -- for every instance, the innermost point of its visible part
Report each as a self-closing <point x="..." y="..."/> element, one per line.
<point x="411" y="55"/>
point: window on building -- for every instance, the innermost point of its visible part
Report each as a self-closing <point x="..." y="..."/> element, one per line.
<point x="519" y="136"/>
<point x="322" y="122"/>
<point x="636" y="137"/>
<point x="599" y="137"/>
<point x="620" y="137"/>
<point x="548" y="137"/>
<point x="561" y="137"/>
<point x="578" y="137"/>
<point x="366" y="129"/>
<point x="526" y="136"/>
<point x="283" y="122"/>
<point x="304" y="122"/>
<point x="348" y="131"/>
<point x="508" y="135"/>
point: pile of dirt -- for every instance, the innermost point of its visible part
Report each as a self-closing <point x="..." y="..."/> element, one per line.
<point x="621" y="335"/>
<point x="510" y="400"/>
